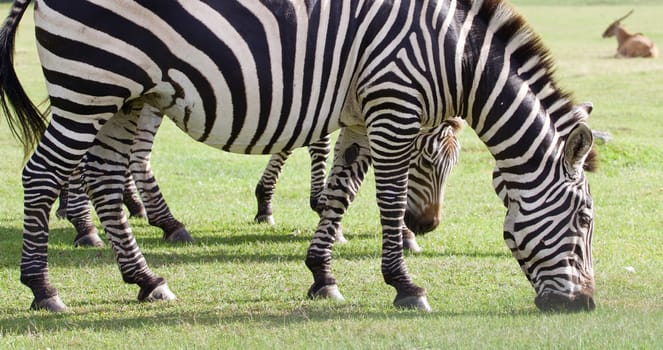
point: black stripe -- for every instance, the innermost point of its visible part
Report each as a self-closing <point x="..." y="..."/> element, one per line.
<point x="82" y="52"/>
<point x="78" y="108"/>
<point x="86" y="86"/>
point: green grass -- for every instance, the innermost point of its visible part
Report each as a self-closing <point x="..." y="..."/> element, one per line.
<point x="243" y="286"/>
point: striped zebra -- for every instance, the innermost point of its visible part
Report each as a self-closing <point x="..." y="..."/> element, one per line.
<point x="425" y="194"/>
<point x="254" y="77"/>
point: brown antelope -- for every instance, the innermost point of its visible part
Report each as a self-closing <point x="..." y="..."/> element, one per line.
<point x="630" y="45"/>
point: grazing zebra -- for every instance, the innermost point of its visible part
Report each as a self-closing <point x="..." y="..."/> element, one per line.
<point x="254" y="77"/>
<point x="424" y="192"/>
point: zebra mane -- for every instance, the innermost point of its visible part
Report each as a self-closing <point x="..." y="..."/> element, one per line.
<point x="536" y="66"/>
<point x="535" y="62"/>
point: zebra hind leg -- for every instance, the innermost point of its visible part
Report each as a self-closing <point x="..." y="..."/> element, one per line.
<point x="319" y="153"/>
<point x="78" y="211"/>
<point x="131" y="198"/>
<point x="155" y="207"/>
<point x="105" y="174"/>
<point x="264" y="192"/>
<point x="351" y="161"/>
<point x="265" y="188"/>
<point x="41" y="184"/>
<point x="74" y="207"/>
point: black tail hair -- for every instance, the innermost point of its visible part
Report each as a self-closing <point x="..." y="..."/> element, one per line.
<point x="25" y="120"/>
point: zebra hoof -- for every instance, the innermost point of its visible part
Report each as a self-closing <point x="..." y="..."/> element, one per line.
<point x="160" y="293"/>
<point x="412" y="245"/>
<point x="340" y="238"/>
<point x="327" y="292"/>
<point x="418" y="302"/>
<point x="52" y="304"/>
<point x="61" y="214"/>
<point x="265" y="219"/>
<point x="181" y="235"/>
<point x="89" y="240"/>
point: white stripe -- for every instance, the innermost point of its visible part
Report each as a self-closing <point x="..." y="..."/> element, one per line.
<point x="508" y="114"/>
<point x="460" y="48"/>
<point x="449" y="106"/>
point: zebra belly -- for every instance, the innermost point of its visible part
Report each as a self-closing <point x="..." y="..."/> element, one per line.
<point x="187" y="112"/>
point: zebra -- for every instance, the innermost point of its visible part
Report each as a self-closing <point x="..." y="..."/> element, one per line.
<point x="430" y="194"/>
<point x="381" y="70"/>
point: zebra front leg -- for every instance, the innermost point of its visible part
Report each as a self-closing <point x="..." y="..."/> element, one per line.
<point x="350" y="166"/>
<point x="157" y="210"/>
<point x="391" y="166"/>
<point x="107" y="162"/>
<point x="61" y="211"/>
<point x="352" y="159"/>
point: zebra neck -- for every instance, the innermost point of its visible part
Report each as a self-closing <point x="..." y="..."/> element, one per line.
<point x="506" y="90"/>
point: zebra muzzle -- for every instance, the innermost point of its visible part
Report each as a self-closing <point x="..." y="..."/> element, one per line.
<point x="553" y="302"/>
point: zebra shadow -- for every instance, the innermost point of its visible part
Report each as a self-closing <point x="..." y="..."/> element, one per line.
<point x="295" y="314"/>
<point x="241" y="243"/>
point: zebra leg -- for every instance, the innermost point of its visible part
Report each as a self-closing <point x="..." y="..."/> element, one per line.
<point x="410" y="241"/>
<point x="265" y="188"/>
<point x="264" y="192"/>
<point x="43" y="176"/>
<point x="391" y="166"/>
<point x="351" y="161"/>
<point x="104" y="174"/>
<point x="61" y="211"/>
<point x="156" y="208"/>
<point x="319" y="152"/>
<point x="131" y="198"/>
<point x="78" y="211"/>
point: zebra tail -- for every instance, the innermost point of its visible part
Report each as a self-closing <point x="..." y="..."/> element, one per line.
<point x="25" y="120"/>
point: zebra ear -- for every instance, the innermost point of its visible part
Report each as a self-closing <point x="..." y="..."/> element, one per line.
<point x="587" y="106"/>
<point x="577" y="147"/>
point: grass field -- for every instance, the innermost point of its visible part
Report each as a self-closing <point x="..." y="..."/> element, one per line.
<point x="243" y="285"/>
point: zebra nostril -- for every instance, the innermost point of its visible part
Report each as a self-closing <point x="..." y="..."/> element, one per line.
<point x="551" y="302"/>
<point x="422" y="222"/>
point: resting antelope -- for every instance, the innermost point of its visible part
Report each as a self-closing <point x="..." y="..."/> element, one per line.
<point x="630" y="45"/>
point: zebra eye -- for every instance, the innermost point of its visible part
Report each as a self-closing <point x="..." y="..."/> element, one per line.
<point x="584" y="219"/>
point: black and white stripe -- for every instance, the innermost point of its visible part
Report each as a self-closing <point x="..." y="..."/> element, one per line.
<point x="254" y="77"/>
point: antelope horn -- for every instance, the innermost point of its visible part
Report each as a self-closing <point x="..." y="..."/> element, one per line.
<point x="628" y="14"/>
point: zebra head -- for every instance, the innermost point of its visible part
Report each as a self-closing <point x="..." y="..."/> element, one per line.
<point x="435" y="154"/>
<point x="549" y="230"/>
